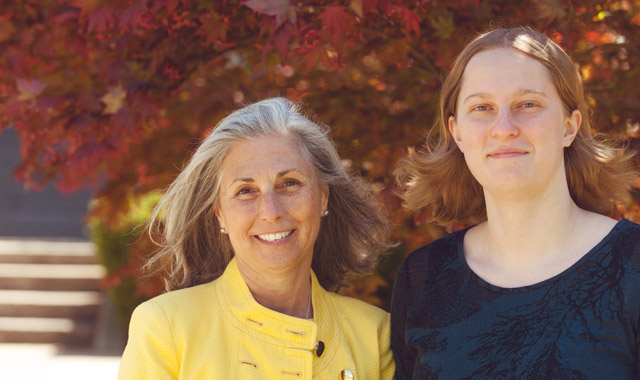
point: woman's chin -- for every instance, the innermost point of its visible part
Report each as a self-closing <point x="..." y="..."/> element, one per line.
<point x="278" y="257"/>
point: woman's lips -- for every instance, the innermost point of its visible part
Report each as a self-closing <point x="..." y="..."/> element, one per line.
<point x="507" y="153"/>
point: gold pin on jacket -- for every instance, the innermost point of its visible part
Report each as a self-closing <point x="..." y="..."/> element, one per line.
<point x="346" y="374"/>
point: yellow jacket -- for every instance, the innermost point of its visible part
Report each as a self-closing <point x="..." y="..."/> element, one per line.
<point x="218" y="331"/>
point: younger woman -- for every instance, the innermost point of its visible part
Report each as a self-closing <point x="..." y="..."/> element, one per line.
<point x="545" y="285"/>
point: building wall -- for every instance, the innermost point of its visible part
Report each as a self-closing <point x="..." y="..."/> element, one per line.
<point x="29" y="213"/>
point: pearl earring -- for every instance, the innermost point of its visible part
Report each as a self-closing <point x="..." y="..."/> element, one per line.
<point x="223" y="230"/>
<point x="325" y="213"/>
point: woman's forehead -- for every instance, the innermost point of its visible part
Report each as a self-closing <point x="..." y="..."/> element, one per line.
<point x="504" y="69"/>
<point x="264" y="155"/>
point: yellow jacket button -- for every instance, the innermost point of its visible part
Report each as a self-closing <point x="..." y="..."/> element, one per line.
<point x="345" y="374"/>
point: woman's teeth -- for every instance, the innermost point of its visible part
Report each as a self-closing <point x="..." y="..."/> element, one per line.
<point x="274" y="237"/>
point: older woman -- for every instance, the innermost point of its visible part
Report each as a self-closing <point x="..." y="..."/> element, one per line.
<point x="260" y="229"/>
<point x="544" y="286"/>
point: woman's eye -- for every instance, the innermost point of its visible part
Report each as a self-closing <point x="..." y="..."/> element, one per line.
<point x="243" y="191"/>
<point x="528" y="105"/>
<point x="482" y="107"/>
<point x="290" y="182"/>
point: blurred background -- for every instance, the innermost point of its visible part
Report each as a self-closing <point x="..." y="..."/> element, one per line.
<point x="101" y="103"/>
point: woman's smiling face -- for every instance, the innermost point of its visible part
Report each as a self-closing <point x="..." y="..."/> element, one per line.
<point x="511" y="124"/>
<point x="270" y="203"/>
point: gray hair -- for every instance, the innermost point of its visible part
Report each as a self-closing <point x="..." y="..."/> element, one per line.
<point x="194" y="251"/>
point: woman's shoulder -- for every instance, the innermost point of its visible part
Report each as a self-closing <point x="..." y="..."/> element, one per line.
<point x="354" y="308"/>
<point x="181" y="300"/>
<point x="444" y="248"/>
<point x="358" y="319"/>
<point x="629" y="228"/>
<point x="626" y="237"/>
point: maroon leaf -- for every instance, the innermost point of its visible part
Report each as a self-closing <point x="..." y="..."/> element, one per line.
<point x="411" y="21"/>
<point x="213" y="31"/>
<point x="336" y="20"/>
<point x="68" y="14"/>
<point x="281" y="40"/>
<point x="281" y="9"/>
<point x="311" y="58"/>
<point x="130" y="15"/>
<point x="99" y="20"/>
<point x="170" y="5"/>
<point x="369" y="5"/>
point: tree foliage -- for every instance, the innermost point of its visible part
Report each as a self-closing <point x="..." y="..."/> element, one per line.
<point x="114" y="95"/>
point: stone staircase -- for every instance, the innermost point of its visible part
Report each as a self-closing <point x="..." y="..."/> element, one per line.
<point x="49" y="291"/>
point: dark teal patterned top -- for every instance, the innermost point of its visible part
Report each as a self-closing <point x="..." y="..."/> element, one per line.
<point x="447" y="323"/>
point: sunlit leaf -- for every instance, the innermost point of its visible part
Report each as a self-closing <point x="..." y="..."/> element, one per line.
<point x="87" y="6"/>
<point x="442" y="23"/>
<point x="114" y="99"/>
<point x="28" y="90"/>
<point x="6" y="30"/>
<point x="356" y="7"/>
<point x="549" y="11"/>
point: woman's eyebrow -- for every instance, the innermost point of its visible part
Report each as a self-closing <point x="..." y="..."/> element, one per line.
<point x="285" y="172"/>
<point x="249" y="179"/>
<point x="477" y="94"/>
<point x="526" y="91"/>
<point x="523" y="91"/>
<point x="243" y="180"/>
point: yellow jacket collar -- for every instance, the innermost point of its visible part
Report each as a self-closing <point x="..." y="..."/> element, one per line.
<point x="277" y="328"/>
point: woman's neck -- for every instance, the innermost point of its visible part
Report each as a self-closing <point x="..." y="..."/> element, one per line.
<point x="525" y="241"/>
<point x="285" y="291"/>
<point x="525" y="226"/>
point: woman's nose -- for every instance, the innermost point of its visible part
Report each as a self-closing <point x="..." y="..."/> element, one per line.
<point x="271" y="207"/>
<point x="504" y="125"/>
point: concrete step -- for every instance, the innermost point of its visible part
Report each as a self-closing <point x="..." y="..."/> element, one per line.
<point x="46" y="330"/>
<point x="49" y="291"/>
<point x="82" y="277"/>
<point x="14" y="250"/>
<point x="49" y="304"/>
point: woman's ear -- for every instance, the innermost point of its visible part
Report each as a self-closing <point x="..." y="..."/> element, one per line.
<point x="455" y="133"/>
<point x="216" y="210"/>
<point x="325" y="197"/>
<point x="571" y="127"/>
